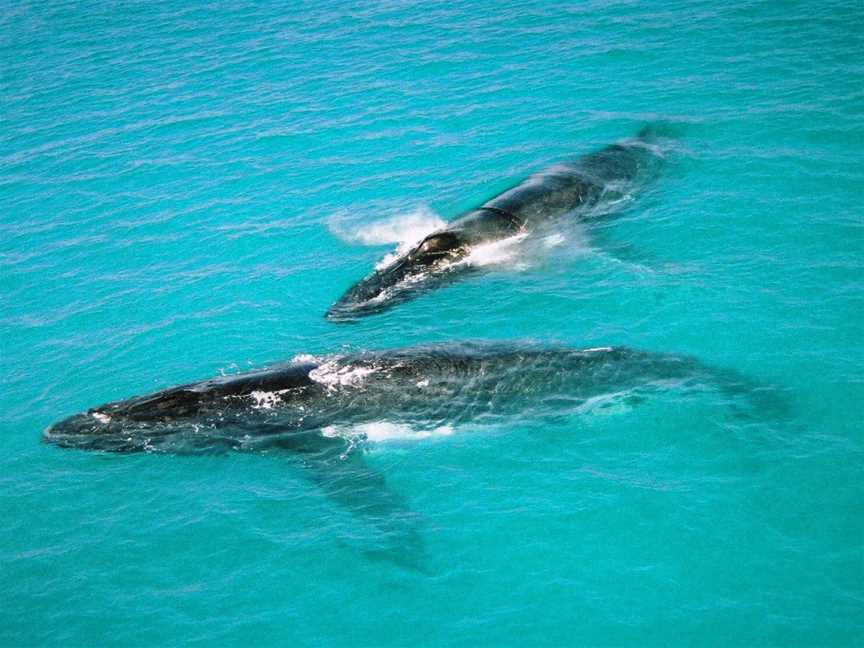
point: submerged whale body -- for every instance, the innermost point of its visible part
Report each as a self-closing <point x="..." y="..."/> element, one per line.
<point x="314" y="407"/>
<point x="574" y="188"/>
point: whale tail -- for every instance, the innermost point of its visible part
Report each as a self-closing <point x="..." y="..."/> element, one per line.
<point x="748" y="397"/>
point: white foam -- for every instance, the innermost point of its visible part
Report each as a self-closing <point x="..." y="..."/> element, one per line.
<point x="382" y="431"/>
<point x="553" y="240"/>
<point x="102" y="418"/>
<point x="502" y="251"/>
<point x="518" y="252"/>
<point x="392" y="257"/>
<point x="387" y="431"/>
<point x="387" y="293"/>
<point x="605" y="404"/>
<point x="304" y="358"/>
<point x="529" y="249"/>
<point x="512" y="252"/>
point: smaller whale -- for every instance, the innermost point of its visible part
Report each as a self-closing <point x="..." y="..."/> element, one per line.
<point x="574" y="188"/>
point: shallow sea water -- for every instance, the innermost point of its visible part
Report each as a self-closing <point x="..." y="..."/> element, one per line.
<point x="185" y="190"/>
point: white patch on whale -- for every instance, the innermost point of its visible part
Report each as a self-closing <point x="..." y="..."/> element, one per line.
<point x="267" y="399"/>
<point x="331" y="374"/>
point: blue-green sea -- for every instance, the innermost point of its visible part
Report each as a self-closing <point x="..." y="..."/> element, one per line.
<point x="186" y="188"/>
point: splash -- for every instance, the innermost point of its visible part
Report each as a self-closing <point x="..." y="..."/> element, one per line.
<point x="501" y="252"/>
<point x="402" y="229"/>
<point x="518" y="253"/>
<point x="526" y="250"/>
<point x="305" y="358"/>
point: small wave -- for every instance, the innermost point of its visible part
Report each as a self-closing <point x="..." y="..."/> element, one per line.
<point x="607" y="404"/>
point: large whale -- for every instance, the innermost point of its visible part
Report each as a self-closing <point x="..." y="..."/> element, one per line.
<point x="575" y="188"/>
<point x="316" y="408"/>
<point x="297" y="405"/>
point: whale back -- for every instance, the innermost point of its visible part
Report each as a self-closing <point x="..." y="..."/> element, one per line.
<point x="579" y="183"/>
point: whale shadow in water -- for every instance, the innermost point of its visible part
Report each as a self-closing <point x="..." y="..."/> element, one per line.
<point x="304" y="407"/>
<point x="587" y="189"/>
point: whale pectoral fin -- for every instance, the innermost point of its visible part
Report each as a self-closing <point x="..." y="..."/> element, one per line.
<point x="347" y="480"/>
<point x="605" y="246"/>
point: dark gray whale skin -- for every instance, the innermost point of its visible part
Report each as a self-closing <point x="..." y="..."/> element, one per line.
<point x="570" y="188"/>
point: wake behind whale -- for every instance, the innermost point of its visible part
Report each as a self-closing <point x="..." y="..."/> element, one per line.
<point x="581" y="188"/>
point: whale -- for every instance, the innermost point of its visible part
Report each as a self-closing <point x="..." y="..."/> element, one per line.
<point x="577" y="188"/>
<point x="315" y="409"/>
<point x="295" y="405"/>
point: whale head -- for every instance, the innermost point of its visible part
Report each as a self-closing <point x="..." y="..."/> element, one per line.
<point x="433" y="260"/>
<point x="134" y="425"/>
<point x="95" y="429"/>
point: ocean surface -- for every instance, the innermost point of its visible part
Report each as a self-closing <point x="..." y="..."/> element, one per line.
<point x="185" y="190"/>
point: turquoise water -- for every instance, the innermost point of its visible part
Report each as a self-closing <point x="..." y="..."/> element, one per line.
<point x="184" y="191"/>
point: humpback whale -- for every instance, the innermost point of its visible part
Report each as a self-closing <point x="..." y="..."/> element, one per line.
<point x="296" y="405"/>
<point x="314" y="407"/>
<point x="577" y="187"/>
